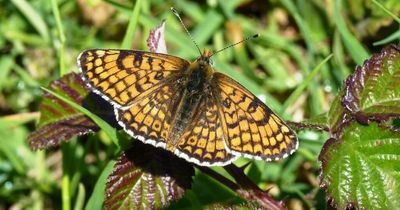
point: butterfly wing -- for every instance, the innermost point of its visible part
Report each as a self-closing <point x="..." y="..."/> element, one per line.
<point x="149" y="119"/>
<point x="250" y="127"/>
<point x="202" y="141"/>
<point x="125" y="76"/>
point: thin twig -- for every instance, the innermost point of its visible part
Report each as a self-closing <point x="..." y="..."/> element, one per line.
<point x="244" y="187"/>
<point x="223" y="180"/>
<point x="249" y="190"/>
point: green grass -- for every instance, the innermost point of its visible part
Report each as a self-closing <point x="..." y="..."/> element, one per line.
<point x="297" y="65"/>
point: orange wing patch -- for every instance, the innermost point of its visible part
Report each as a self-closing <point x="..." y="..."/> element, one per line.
<point x="150" y="119"/>
<point x="249" y="126"/>
<point x="124" y="76"/>
<point x="202" y="141"/>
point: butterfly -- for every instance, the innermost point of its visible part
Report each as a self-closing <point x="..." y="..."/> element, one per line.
<point x="186" y="107"/>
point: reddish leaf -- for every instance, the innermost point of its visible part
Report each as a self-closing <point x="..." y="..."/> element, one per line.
<point x="372" y="91"/>
<point x="59" y="121"/>
<point x="146" y="177"/>
<point x="52" y="134"/>
<point x="156" y="40"/>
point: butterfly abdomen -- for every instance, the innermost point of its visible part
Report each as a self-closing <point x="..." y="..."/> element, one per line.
<point x="197" y="83"/>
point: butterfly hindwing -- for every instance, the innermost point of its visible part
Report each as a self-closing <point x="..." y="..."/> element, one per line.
<point x="202" y="141"/>
<point x="250" y="127"/>
<point x="124" y="76"/>
<point x="150" y="119"/>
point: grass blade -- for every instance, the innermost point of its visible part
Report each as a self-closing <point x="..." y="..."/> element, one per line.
<point x="97" y="198"/>
<point x="387" y="40"/>
<point x="128" y="38"/>
<point x="296" y="93"/>
<point x="65" y="186"/>
<point x="356" y="50"/>
<point x="61" y="36"/>
<point x="33" y="17"/>
<point x="80" y="198"/>
<point x="397" y="19"/>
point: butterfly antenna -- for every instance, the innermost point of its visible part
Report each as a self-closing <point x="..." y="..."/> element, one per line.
<point x="247" y="38"/>
<point x="184" y="27"/>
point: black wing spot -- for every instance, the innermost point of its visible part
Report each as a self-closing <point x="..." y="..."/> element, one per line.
<point x="120" y="58"/>
<point x="150" y="62"/>
<point x="252" y="107"/>
<point x="138" y="59"/>
<point x="161" y="64"/>
<point x="227" y="103"/>
<point x="159" y="76"/>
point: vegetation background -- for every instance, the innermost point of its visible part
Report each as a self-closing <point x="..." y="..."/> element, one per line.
<point x="40" y="40"/>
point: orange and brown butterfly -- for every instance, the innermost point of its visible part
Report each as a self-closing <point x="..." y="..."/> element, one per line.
<point x="186" y="107"/>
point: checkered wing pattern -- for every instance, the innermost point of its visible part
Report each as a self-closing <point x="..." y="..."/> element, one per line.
<point x="125" y="76"/>
<point x="202" y="141"/>
<point x="150" y="119"/>
<point x="250" y="128"/>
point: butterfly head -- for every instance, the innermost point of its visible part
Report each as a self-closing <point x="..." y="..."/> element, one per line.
<point x="205" y="58"/>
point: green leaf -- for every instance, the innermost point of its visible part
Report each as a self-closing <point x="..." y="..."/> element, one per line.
<point x="337" y="116"/>
<point x="373" y="90"/>
<point x="146" y="177"/>
<point x="6" y="63"/>
<point x="12" y="146"/>
<point x="361" y="168"/>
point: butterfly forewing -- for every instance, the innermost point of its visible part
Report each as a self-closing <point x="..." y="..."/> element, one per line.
<point x="124" y="76"/>
<point x="202" y="141"/>
<point x="249" y="126"/>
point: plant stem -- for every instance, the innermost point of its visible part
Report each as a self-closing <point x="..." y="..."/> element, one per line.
<point x="61" y="36"/>
<point x="244" y="187"/>
<point x="233" y="186"/>
<point x="249" y="190"/>
<point x="65" y="186"/>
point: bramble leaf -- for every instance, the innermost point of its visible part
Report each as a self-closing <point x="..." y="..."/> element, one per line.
<point x="59" y="121"/>
<point x="146" y="177"/>
<point x="360" y="161"/>
<point x="372" y="92"/>
<point x="362" y="168"/>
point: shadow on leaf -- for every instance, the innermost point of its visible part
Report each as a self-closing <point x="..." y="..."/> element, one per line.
<point x="146" y="177"/>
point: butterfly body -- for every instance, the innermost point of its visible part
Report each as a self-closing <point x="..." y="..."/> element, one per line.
<point x="192" y="88"/>
<point x="187" y="108"/>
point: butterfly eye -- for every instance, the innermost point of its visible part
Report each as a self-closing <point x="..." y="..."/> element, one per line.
<point x="210" y="62"/>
